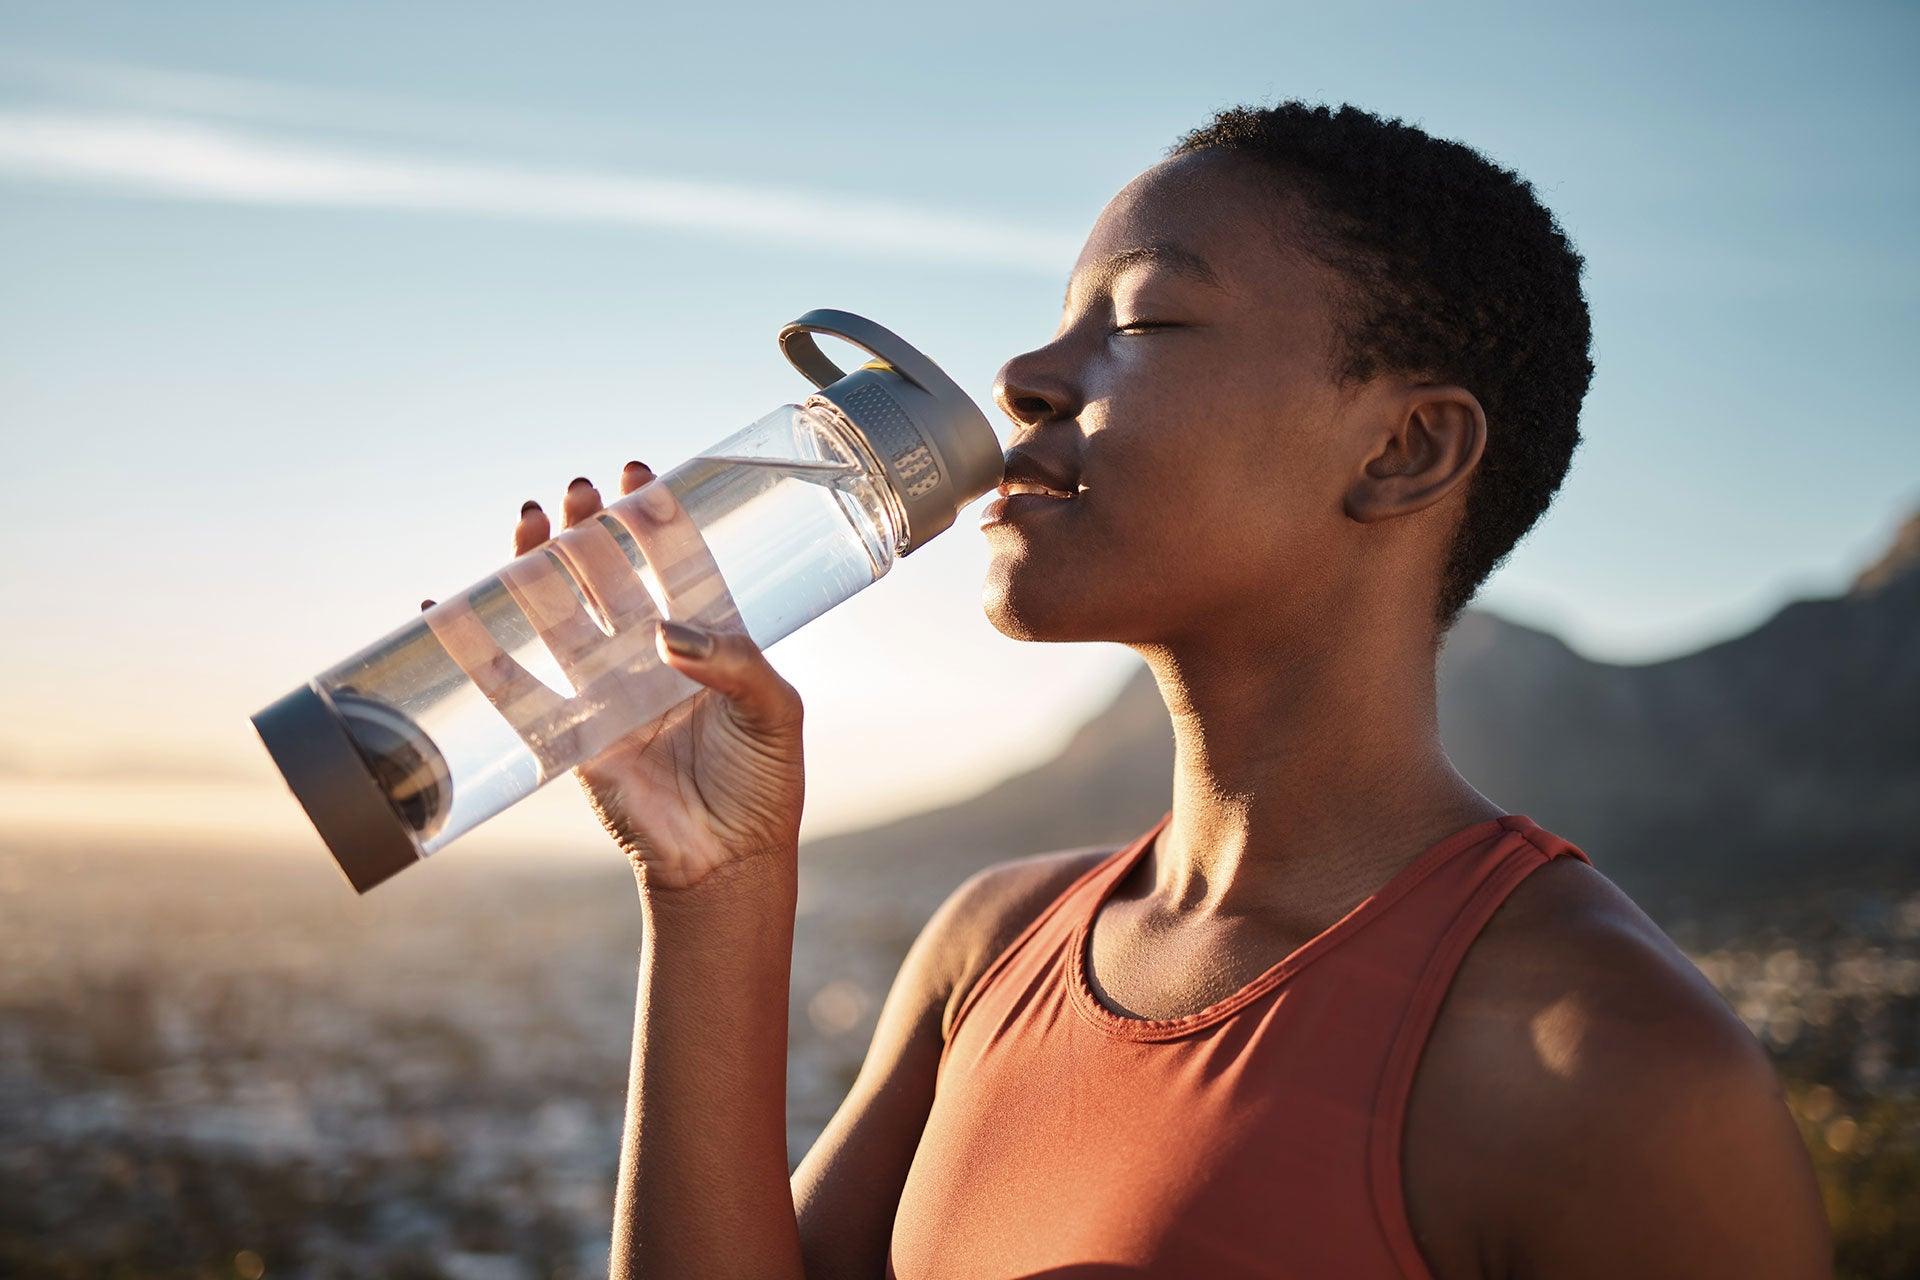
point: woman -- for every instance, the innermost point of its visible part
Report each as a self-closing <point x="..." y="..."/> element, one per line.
<point x="1337" y="1014"/>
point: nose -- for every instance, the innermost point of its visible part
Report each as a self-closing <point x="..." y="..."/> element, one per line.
<point x="1032" y="390"/>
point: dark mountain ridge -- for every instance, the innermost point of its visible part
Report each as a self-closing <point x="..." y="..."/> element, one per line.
<point x="1785" y="758"/>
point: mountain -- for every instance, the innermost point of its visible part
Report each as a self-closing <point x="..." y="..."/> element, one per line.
<point x="1789" y="756"/>
<point x="1785" y="758"/>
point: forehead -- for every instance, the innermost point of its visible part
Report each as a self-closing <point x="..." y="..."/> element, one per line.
<point x="1207" y="219"/>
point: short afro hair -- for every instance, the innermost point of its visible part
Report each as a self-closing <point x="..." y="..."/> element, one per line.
<point x="1457" y="272"/>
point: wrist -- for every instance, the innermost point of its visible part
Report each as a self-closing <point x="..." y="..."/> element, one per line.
<point x="748" y="887"/>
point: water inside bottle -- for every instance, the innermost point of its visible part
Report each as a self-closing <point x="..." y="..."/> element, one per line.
<point x="823" y="472"/>
<point x="791" y="538"/>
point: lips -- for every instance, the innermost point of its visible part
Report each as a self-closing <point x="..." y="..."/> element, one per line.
<point x="1009" y="488"/>
<point x="1024" y="469"/>
<point x="1022" y="503"/>
<point x="1031" y="485"/>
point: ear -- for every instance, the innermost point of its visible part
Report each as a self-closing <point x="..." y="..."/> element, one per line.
<point x="1431" y="447"/>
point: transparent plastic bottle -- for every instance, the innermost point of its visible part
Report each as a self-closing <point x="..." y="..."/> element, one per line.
<point x="471" y="706"/>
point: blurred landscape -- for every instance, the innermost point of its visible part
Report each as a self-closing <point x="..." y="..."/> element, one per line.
<point x="218" y="1062"/>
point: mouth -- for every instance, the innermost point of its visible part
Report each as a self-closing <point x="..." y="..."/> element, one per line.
<point x="1021" y="499"/>
<point x="1008" y="488"/>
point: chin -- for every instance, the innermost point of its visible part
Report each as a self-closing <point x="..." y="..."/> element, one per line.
<point x="1022" y="605"/>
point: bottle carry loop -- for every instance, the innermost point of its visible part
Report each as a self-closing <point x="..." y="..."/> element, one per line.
<point x="932" y="441"/>
<point x="804" y="354"/>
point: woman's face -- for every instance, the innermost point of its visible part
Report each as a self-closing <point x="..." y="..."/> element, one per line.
<point x="1187" y="403"/>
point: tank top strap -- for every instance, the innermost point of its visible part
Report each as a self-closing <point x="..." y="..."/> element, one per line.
<point x="1055" y="919"/>
<point x="1480" y="883"/>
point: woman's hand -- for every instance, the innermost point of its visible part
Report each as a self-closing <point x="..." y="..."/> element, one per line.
<point x="720" y="780"/>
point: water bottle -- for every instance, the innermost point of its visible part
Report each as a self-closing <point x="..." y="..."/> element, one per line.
<point x="498" y="689"/>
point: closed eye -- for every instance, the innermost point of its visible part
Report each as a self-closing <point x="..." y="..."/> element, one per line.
<point x="1144" y="326"/>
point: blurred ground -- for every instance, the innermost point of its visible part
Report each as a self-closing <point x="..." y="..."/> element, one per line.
<point x="214" y="1064"/>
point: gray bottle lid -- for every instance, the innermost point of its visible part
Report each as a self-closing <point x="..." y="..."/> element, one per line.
<point x="929" y="435"/>
<point x="333" y="783"/>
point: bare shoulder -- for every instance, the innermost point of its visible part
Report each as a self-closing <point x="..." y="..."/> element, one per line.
<point x="1570" y="946"/>
<point x="1580" y="983"/>
<point x="1622" y="1116"/>
<point x="983" y="916"/>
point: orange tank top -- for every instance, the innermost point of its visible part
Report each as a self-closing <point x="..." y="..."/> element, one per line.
<point x="1258" y="1137"/>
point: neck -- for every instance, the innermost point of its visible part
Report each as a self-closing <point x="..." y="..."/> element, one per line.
<point x="1304" y="781"/>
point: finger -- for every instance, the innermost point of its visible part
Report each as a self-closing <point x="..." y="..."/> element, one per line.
<point x="635" y="476"/>
<point x="534" y="528"/>
<point x="731" y="664"/>
<point x="582" y="501"/>
<point x="682" y="565"/>
<point x="601" y="566"/>
<point x="547" y="593"/>
<point x="505" y="683"/>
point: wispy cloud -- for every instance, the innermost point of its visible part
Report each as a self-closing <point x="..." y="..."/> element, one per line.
<point x="160" y="156"/>
<point x="144" y="90"/>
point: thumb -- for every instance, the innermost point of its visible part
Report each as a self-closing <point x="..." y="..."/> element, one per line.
<point x="731" y="664"/>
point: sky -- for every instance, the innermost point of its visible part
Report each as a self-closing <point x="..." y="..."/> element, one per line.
<point x="300" y="302"/>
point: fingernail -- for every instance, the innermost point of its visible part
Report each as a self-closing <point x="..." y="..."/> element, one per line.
<point x="528" y="507"/>
<point x="688" y="642"/>
<point x="637" y="466"/>
<point x="425" y="605"/>
<point x="578" y="481"/>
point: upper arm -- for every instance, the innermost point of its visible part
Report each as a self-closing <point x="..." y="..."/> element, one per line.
<point x="1687" y="1163"/>
<point x="846" y="1189"/>
<point x="1652" y="1134"/>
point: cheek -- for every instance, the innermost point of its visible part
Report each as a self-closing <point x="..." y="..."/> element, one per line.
<point x="1200" y="462"/>
<point x="1211" y="530"/>
<point x="1167" y="514"/>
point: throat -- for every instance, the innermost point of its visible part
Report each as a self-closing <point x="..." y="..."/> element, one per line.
<point x="1144" y="962"/>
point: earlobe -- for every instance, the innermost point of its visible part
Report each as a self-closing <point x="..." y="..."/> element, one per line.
<point x="1433" y="445"/>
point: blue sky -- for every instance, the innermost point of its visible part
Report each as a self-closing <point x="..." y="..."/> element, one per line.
<point x="301" y="302"/>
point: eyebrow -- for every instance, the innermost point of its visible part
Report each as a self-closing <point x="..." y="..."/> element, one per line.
<point x="1174" y="257"/>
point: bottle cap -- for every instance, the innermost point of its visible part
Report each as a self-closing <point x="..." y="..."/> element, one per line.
<point x="929" y="435"/>
<point x="343" y="759"/>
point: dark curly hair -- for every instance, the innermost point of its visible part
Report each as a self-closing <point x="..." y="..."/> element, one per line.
<point x="1457" y="271"/>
